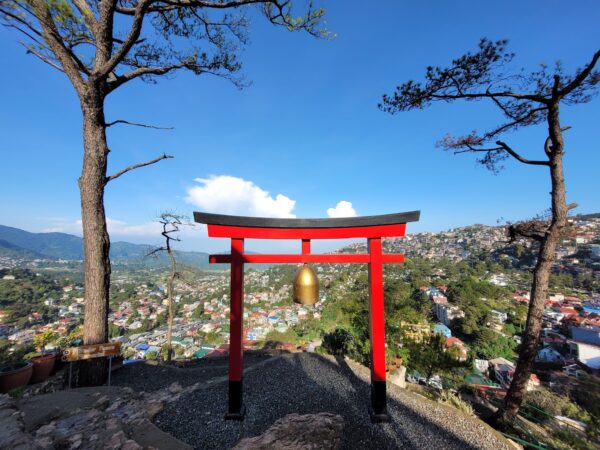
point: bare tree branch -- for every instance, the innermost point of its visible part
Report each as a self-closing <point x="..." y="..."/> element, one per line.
<point x="156" y="251"/>
<point x="87" y="13"/>
<point x="130" y="40"/>
<point x="70" y="63"/>
<point x="136" y="166"/>
<point x="104" y="32"/>
<point x="518" y="157"/>
<point x="140" y="72"/>
<point x="505" y="110"/>
<point x="21" y="21"/>
<point x="126" y="122"/>
<point x="42" y="57"/>
<point x="474" y="95"/>
<point x="175" y="4"/>
<point x="581" y="76"/>
<point x="518" y="121"/>
<point x="121" y="41"/>
<point x="145" y="71"/>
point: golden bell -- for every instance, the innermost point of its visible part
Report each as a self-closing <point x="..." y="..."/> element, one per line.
<point x="306" y="286"/>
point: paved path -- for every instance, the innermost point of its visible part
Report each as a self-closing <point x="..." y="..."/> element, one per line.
<point x="308" y="383"/>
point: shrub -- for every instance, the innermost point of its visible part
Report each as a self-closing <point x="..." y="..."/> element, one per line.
<point x="554" y="405"/>
<point x="450" y="399"/>
<point x="42" y="339"/>
<point x="573" y="440"/>
<point x="337" y="342"/>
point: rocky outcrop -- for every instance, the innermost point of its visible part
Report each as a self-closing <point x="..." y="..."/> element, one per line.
<point x="88" y="418"/>
<point x="12" y="431"/>
<point x="321" y="431"/>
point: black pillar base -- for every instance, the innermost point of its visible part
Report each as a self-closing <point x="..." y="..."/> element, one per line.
<point x="378" y="410"/>
<point x="236" y="416"/>
<point x="235" y="410"/>
<point x="379" y="418"/>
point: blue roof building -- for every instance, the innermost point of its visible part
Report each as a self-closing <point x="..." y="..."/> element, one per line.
<point x="589" y="335"/>
<point x="591" y="307"/>
<point x="440" y="328"/>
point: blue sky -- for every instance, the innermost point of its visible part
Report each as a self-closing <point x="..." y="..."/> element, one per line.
<point x="307" y="129"/>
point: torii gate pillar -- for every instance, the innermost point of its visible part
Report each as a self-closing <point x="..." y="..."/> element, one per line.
<point x="236" y="330"/>
<point x="377" y="332"/>
<point x="374" y="228"/>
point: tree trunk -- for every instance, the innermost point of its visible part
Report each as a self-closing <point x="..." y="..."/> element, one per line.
<point x="96" y="242"/>
<point x="541" y="276"/>
<point x="170" y="304"/>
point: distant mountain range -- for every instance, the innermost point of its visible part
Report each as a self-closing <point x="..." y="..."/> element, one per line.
<point x="20" y="243"/>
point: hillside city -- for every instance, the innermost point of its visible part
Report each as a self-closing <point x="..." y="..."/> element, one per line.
<point x="467" y="287"/>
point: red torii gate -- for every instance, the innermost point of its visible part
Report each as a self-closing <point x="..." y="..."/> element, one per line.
<point x="373" y="228"/>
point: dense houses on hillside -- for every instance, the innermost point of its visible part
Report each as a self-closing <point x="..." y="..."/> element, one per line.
<point x="570" y="338"/>
<point x="572" y="332"/>
<point x="577" y="253"/>
<point x="196" y="335"/>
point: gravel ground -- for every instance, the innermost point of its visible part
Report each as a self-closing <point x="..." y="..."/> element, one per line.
<point x="306" y="383"/>
<point x="147" y="377"/>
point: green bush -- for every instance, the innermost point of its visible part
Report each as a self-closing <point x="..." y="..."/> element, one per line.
<point x="554" y="405"/>
<point x="572" y="440"/>
<point x="337" y="342"/>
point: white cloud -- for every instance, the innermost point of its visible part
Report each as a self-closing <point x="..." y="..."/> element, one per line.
<point x="53" y="230"/>
<point x="63" y="225"/>
<point x="231" y="195"/>
<point x="115" y="228"/>
<point x="342" y="209"/>
<point x="120" y="228"/>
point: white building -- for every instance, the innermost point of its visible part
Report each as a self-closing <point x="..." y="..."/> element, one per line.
<point x="499" y="315"/>
<point x="447" y="313"/>
<point x="587" y="354"/>
<point x="499" y="280"/>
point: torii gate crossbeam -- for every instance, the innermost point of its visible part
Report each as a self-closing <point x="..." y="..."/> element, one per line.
<point x="373" y="228"/>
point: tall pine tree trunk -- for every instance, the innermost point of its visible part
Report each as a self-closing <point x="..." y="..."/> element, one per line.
<point x="96" y="242"/>
<point x="170" y="282"/>
<point x="541" y="275"/>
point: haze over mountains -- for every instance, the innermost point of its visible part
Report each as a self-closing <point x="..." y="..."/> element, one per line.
<point x="21" y="243"/>
<point x="18" y="243"/>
